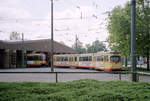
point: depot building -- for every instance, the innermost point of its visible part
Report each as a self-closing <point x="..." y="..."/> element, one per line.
<point x="11" y="51"/>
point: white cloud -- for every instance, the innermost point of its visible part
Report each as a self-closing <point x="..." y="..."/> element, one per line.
<point x="89" y="28"/>
<point x="15" y="18"/>
<point x="13" y="13"/>
<point x="12" y="9"/>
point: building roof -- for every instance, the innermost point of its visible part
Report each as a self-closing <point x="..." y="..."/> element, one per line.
<point x="36" y="45"/>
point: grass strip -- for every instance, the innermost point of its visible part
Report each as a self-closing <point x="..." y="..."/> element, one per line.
<point x="80" y="90"/>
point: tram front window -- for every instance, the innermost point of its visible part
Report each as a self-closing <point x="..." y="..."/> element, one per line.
<point x="32" y="58"/>
<point x="115" y="59"/>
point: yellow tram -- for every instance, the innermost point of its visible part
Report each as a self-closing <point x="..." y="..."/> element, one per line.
<point x="101" y="61"/>
<point x="36" y="59"/>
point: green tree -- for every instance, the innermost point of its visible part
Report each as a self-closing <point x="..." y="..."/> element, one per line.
<point x="15" y="36"/>
<point x="96" y="46"/>
<point x="143" y="29"/>
<point x="78" y="46"/>
<point x="119" y="28"/>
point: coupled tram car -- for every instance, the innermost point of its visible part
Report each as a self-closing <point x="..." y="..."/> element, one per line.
<point x="102" y="61"/>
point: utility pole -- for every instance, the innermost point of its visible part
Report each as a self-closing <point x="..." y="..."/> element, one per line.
<point x="52" y="44"/>
<point x="22" y="50"/>
<point x="148" y="32"/>
<point x="133" y="40"/>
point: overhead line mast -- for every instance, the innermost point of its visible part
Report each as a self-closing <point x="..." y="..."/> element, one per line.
<point x="52" y="44"/>
<point x="133" y="40"/>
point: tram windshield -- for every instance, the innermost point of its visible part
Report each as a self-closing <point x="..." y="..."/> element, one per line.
<point x="115" y="58"/>
<point x="34" y="57"/>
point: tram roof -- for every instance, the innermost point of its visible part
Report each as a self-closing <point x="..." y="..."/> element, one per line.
<point x="88" y="54"/>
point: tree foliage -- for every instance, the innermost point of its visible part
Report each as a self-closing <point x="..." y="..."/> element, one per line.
<point x="143" y="27"/>
<point x="119" y="28"/>
<point x="96" y="46"/>
<point x="78" y="46"/>
<point x="15" y="36"/>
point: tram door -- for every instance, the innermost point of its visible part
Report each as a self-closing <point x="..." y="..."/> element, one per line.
<point x="99" y="61"/>
<point x="106" y="62"/>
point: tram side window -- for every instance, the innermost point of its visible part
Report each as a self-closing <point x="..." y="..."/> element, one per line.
<point x="81" y="59"/>
<point x="62" y="58"/>
<point x="37" y="57"/>
<point x="57" y="58"/>
<point x="106" y="58"/>
<point x="90" y="58"/>
<point x="70" y="59"/>
<point x="85" y="59"/>
<point x="30" y="58"/>
<point x="65" y="58"/>
<point x="99" y="58"/>
<point x="75" y="59"/>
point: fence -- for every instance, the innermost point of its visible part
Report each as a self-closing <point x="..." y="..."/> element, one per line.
<point x="70" y="76"/>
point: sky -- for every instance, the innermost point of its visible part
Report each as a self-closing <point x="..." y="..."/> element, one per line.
<point x="85" y="18"/>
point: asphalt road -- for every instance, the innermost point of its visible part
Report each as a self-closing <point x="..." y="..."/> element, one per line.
<point x="47" y="76"/>
<point x="46" y="69"/>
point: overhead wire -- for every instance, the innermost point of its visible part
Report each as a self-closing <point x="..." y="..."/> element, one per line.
<point x="32" y="19"/>
<point x="18" y="20"/>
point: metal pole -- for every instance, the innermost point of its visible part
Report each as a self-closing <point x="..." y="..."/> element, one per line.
<point x="56" y="77"/>
<point x="133" y="40"/>
<point x="148" y="33"/>
<point x="22" y="50"/>
<point x="76" y="43"/>
<point x="120" y="77"/>
<point x="52" y="44"/>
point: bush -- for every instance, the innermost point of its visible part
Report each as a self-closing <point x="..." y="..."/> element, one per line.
<point x="81" y="90"/>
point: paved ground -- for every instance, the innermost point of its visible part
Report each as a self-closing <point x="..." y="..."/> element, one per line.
<point x="47" y="76"/>
<point x="51" y="77"/>
<point x="46" y="69"/>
